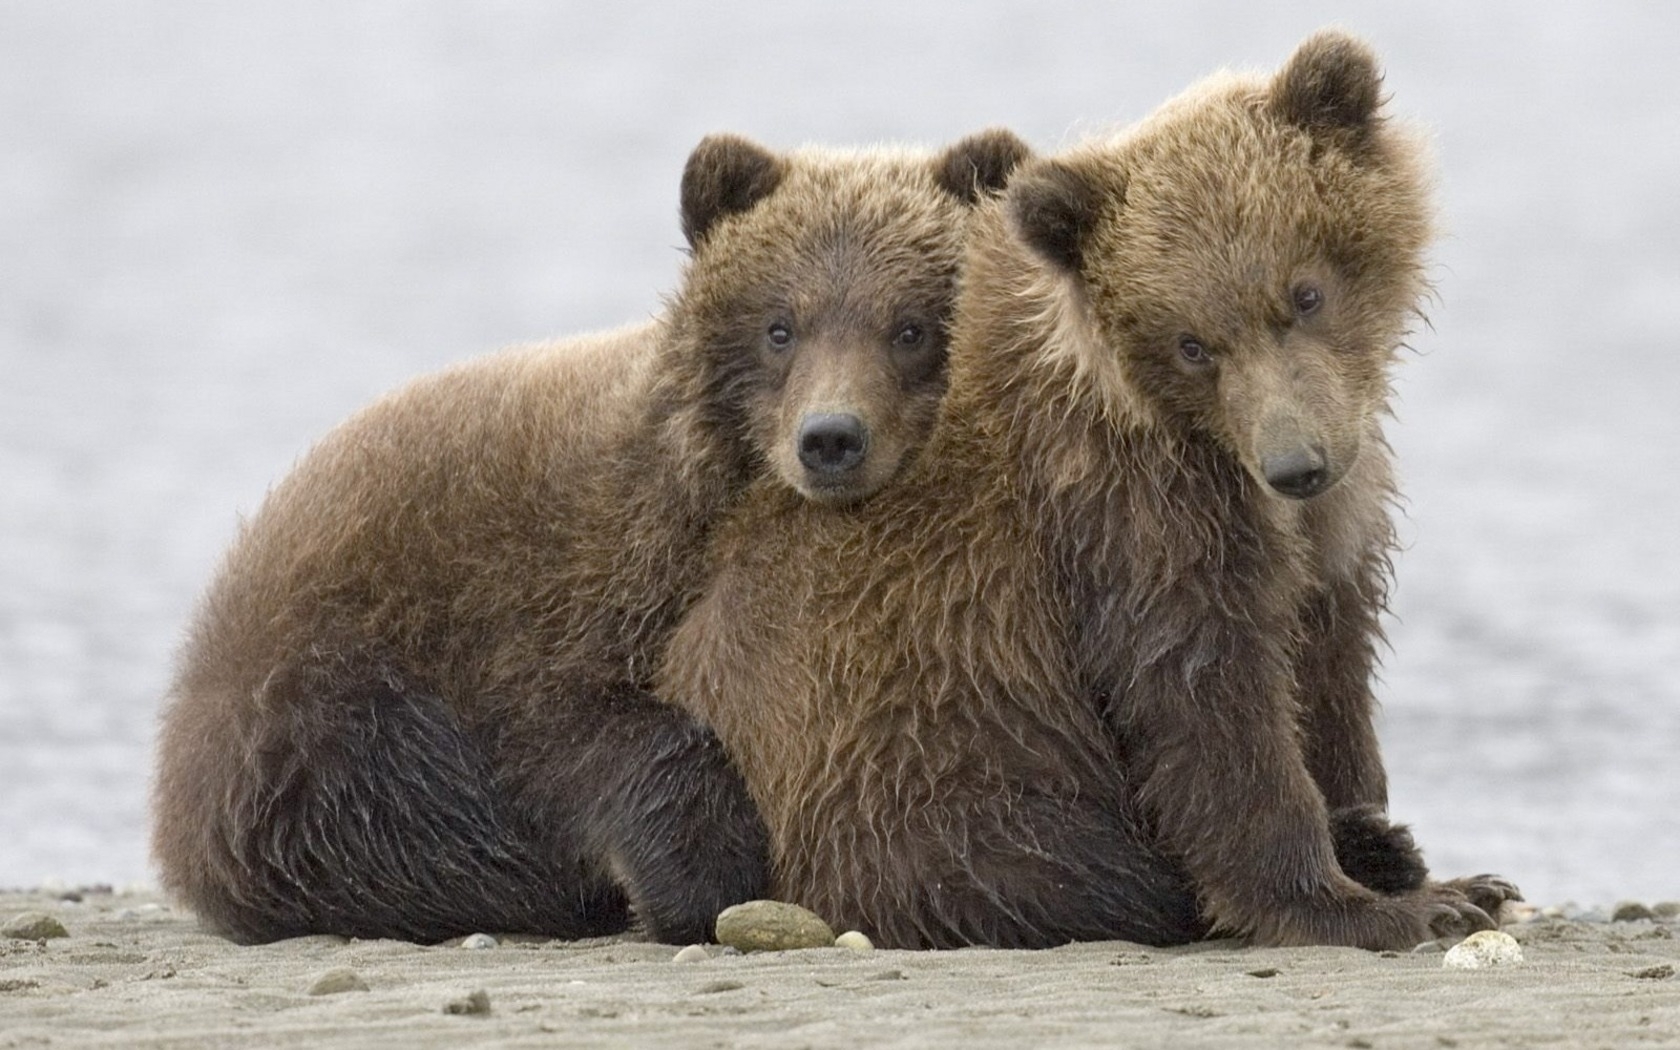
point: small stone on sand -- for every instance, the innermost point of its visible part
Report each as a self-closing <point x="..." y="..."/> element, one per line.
<point x="772" y="926"/>
<point x="1483" y="949"/>
<point x="34" y="926"/>
<point x="694" y="953"/>
<point x="478" y="941"/>
<point x="1631" y="911"/>
<point x="336" y="980"/>
<point x="855" y="940"/>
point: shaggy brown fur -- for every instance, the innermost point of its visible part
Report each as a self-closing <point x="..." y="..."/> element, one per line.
<point x="1098" y="665"/>
<point x="413" y="701"/>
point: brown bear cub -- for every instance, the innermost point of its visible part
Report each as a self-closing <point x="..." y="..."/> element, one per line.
<point x="414" y="701"/>
<point x="1098" y="663"/>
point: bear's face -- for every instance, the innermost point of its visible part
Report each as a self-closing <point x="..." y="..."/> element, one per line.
<point x="821" y="287"/>
<point x="1250" y="259"/>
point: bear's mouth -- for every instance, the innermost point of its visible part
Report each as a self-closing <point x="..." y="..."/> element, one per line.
<point x="837" y="490"/>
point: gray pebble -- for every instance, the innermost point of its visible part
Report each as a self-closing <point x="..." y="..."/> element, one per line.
<point x="1483" y="949"/>
<point x="694" y="953"/>
<point x="478" y="941"/>
<point x="336" y="980"/>
<point x="1631" y="911"/>
<point x="1666" y="909"/>
<point x="473" y="1003"/>
<point x="33" y="926"/>
<point x="759" y="926"/>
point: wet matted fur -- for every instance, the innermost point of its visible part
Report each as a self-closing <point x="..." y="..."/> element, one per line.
<point x="413" y="701"/>
<point x="1099" y="664"/>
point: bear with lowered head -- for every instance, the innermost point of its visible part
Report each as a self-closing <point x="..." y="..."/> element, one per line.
<point x="1098" y="664"/>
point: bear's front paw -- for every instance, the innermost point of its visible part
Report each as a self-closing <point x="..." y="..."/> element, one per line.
<point x="1403" y="921"/>
<point x="1376" y="853"/>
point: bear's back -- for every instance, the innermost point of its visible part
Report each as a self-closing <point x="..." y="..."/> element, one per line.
<point x="435" y="504"/>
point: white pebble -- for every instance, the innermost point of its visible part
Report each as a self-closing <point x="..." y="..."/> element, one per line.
<point x="1481" y="950"/>
<point x="856" y="941"/>
<point x="694" y="953"/>
<point x="478" y="941"/>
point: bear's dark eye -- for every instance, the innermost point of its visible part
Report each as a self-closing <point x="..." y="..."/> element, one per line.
<point x="1191" y="349"/>
<point x="909" y="336"/>
<point x="780" y="335"/>
<point x="1308" y="299"/>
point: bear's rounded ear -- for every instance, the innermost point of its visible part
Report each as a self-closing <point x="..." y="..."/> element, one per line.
<point x="1331" y="84"/>
<point x="1055" y="208"/>
<point x="724" y="175"/>
<point x="981" y="164"/>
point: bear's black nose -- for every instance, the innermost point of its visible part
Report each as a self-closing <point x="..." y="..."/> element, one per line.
<point x="1299" y="473"/>
<point x="832" y="442"/>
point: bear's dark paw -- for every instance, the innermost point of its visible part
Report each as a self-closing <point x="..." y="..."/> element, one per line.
<point x="1376" y="853"/>
<point x="1487" y="892"/>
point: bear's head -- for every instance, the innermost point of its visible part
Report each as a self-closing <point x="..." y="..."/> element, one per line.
<point x="1246" y="262"/>
<point x="819" y="291"/>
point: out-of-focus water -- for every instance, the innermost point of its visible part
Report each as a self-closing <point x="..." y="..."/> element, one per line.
<point x="223" y="227"/>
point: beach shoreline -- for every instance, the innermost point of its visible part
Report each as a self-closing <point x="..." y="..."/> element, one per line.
<point x="134" y="971"/>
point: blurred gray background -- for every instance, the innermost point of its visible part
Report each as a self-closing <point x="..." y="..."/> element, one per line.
<point x="225" y="226"/>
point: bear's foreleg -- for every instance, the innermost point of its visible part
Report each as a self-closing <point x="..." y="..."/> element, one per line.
<point x="1333" y="671"/>
<point x="1212" y="720"/>
<point x="1333" y="667"/>
<point x="1333" y="676"/>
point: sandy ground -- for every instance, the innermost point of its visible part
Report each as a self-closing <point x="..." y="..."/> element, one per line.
<point x="134" y="972"/>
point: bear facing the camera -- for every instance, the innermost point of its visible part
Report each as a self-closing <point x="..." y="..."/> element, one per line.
<point x="414" y="701"/>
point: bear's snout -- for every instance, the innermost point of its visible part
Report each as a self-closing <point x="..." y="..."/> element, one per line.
<point x="1299" y="473"/>
<point x="832" y="443"/>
